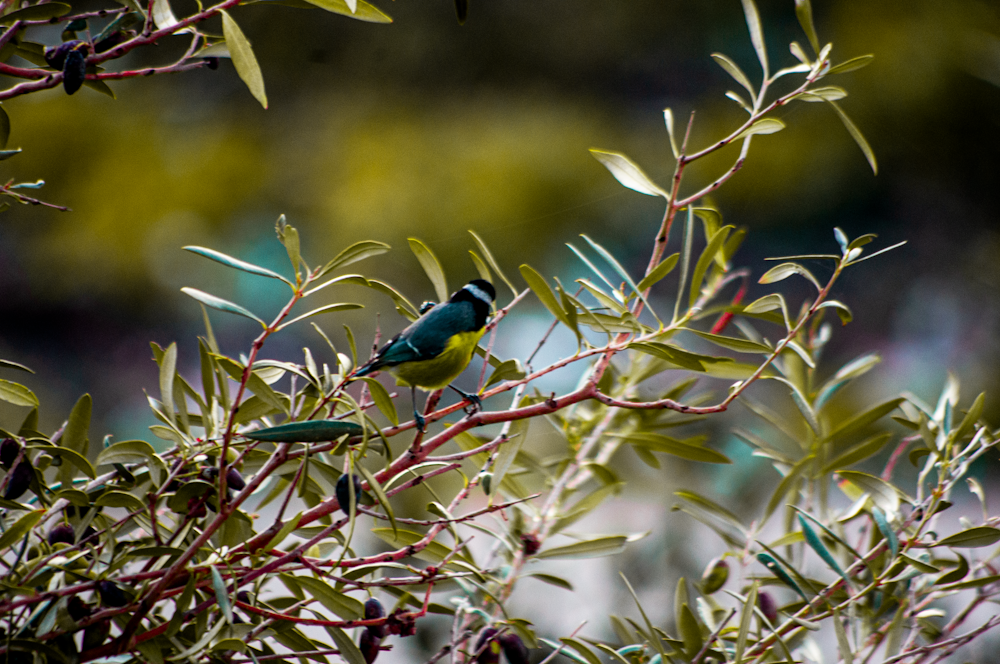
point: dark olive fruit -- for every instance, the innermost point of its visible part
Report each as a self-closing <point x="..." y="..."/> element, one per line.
<point x="715" y="576"/>
<point x="211" y="63"/>
<point x="55" y="56"/>
<point x="344" y="491"/>
<point x="109" y="42"/>
<point x="531" y="544"/>
<point x="209" y="473"/>
<point x="9" y="449"/>
<point x="768" y="607"/>
<point x="62" y="533"/>
<point x="196" y="508"/>
<point x="234" y="480"/>
<point x="111" y="594"/>
<point x="74" y="70"/>
<point x="96" y="634"/>
<point x="77" y="608"/>
<point x="368" y="645"/>
<point x="514" y="649"/>
<point x="243" y="596"/>
<point x="487" y="647"/>
<point x="19" y="480"/>
<point x="373" y="609"/>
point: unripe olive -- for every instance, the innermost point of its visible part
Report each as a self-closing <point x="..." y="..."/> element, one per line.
<point x="715" y="576"/>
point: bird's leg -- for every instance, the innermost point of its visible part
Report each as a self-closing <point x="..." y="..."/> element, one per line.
<point x="475" y="403"/>
<point x="417" y="417"/>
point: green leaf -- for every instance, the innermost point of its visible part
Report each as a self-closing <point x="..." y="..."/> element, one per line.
<point x="72" y="456"/>
<point x="220" y="304"/>
<point x="340" y="306"/>
<point x="665" y="267"/>
<point x="705" y="260"/>
<point x="354" y="253"/>
<point x="38" y="12"/>
<point x="967" y="539"/>
<point x="222" y="595"/>
<point x="382" y="400"/>
<point x="434" y="552"/>
<point x="7" y="364"/>
<point x="168" y="372"/>
<point x="733" y="343"/>
<point x="363" y="11"/>
<point x="690" y="631"/>
<point x="851" y="65"/>
<point x="243" y="58"/>
<point x="21" y="527"/>
<point x="679" y="448"/>
<point x="493" y="262"/>
<point x="594" y="548"/>
<point x="804" y="12"/>
<point x="816" y="544"/>
<point x="552" y="580"/>
<point x="825" y="93"/>
<point x="506" y="370"/>
<point x="785" y="270"/>
<point x="508" y="451"/>
<point x="786" y="484"/>
<point x="544" y="293"/>
<point x="481" y="267"/>
<point x="236" y="263"/>
<point x="858" y="137"/>
<point x="860" y="452"/>
<point x="848" y="372"/>
<point x="734" y="70"/>
<point x="895" y="632"/>
<point x="764" y="126"/>
<point x="289" y="238"/>
<point x="17" y="394"/>
<point x="883" y="494"/>
<point x="606" y="255"/>
<point x="431" y="266"/>
<point x="310" y="431"/>
<point x="348" y="651"/>
<point x="583" y="653"/>
<point x="838" y="628"/>
<point x="861" y="420"/>
<point x="75" y="434"/>
<point x="376" y="488"/>
<point x="343" y="605"/>
<point x="746" y="617"/>
<point x="887" y="532"/>
<point x="712" y="507"/>
<point x="628" y="173"/>
<point x="756" y="33"/>
<point x="772" y="565"/>
<point x="119" y="499"/>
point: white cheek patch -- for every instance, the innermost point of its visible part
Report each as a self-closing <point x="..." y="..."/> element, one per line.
<point x="478" y="293"/>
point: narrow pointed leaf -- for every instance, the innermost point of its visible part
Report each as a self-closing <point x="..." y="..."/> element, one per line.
<point x="665" y="267"/>
<point x="887" y="532"/>
<point x="858" y="137"/>
<point x="756" y="33"/>
<point x="358" y="9"/>
<point x="329" y="308"/>
<point x="842" y="642"/>
<point x="383" y="500"/>
<point x="772" y="565"/>
<point x="17" y="394"/>
<point x="705" y="260"/>
<point x="764" y="126"/>
<point x="883" y="494"/>
<point x="601" y="546"/>
<point x="733" y="343"/>
<point x="382" y="400"/>
<point x="221" y="595"/>
<point x="432" y="266"/>
<point x="220" y="304"/>
<point x="803" y="11"/>
<point x="310" y="431"/>
<point x="354" y="253"/>
<point x="734" y="70"/>
<point x="785" y="270"/>
<point x="493" y="262"/>
<point x="745" y="620"/>
<point x="971" y="538"/>
<point x="628" y="173"/>
<point x="243" y="58"/>
<point x="236" y="263"/>
<point x="816" y="544"/>
<point x="606" y="255"/>
<point x="867" y="448"/>
<point x="851" y="65"/>
<point x="541" y="289"/>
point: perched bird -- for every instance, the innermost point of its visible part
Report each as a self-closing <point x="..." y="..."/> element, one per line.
<point x="437" y="347"/>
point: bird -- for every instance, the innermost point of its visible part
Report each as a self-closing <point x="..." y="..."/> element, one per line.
<point x="433" y="350"/>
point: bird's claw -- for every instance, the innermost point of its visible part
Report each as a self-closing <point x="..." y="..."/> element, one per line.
<point x="421" y="422"/>
<point x="475" y="404"/>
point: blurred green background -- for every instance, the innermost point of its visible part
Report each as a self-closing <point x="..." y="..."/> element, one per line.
<point x="426" y="128"/>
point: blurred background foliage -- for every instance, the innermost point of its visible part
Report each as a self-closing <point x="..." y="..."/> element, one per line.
<point x="426" y="128"/>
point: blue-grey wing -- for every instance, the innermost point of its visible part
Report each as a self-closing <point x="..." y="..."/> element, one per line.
<point x="427" y="337"/>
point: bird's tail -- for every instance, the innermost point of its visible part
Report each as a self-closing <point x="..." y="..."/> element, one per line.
<point x="365" y="369"/>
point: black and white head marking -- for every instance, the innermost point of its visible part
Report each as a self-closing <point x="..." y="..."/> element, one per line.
<point x="478" y="293"/>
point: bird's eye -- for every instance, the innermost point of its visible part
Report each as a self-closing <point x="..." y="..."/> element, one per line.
<point x="426" y="306"/>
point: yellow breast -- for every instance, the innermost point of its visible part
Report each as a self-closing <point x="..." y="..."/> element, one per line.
<point x="438" y="372"/>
